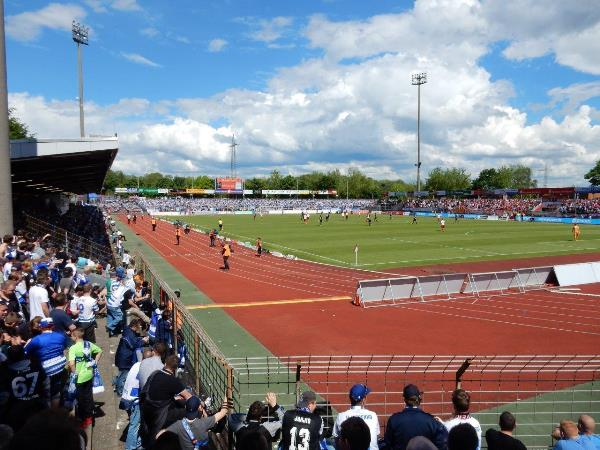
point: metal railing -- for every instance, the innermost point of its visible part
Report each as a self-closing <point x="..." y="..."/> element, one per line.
<point x="73" y="243"/>
<point x="206" y="368"/>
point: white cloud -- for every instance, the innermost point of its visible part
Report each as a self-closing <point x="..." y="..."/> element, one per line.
<point x="183" y="39"/>
<point x="217" y="45"/>
<point x="139" y="59"/>
<point x="270" y="30"/>
<point x="126" y="5"/>
<point x="149" y="32"/>
<point x="102" y="6"/>
<point x="28" y="26"/>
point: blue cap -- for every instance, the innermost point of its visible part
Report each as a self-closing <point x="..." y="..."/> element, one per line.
<point x="191" y="407"/>
<point x="120" y="272"/>
<point x="359" y="392"/>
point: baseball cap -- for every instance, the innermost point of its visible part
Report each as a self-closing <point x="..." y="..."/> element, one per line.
<point x="191" y="407"/>
<point x="410" y="390"/>
<point x="307" y="397"/>
<point x="359" y="392"/>
<point x="120" y="272"/>
<point x="46" y="322"/>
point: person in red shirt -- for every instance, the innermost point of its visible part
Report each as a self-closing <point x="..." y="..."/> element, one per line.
<point x="258" y="247"/>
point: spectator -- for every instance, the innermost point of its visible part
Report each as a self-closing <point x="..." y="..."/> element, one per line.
<point x="84" y="308"/>
<point x="114" y="318"/>
<point x="3" y="313"/>
<point x="255" y="440"/>
<point x="38" y="297"/>
<point x="192" y="430"/>
<point x="412" y="421"/>
<point x="159" y="400"/>
<point x="461" y="401"/>
<point x="52" y="429"/>
<point x="167" y="441"/>
<point x="586" y="426"/>
<point x="463" y="437"/>
<point x="302" y="426"/>
<point x="128" y="352"/>
<point x="67" y="283"/>
<point x="83" y="358"/>
<point x="48" y="348"/>
<point x="62" y="322"/>
<point x="21" y="400"/>
<point x="420" y="443"/>
<point x="503" y="439"/>
<point x="150" y="365"/>
<point x="570" y="438"/>
<point x="354" y="434"/>
<point x="255" y="423"/>
<point x="130" y="402"/>
<point x="8" y="296"/>
<point x="357" y="395"/>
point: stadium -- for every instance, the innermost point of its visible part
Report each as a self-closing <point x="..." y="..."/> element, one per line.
<point x="297" y="292"/>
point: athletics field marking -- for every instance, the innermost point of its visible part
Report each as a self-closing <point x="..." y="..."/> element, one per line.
<point x="270" y="302"/>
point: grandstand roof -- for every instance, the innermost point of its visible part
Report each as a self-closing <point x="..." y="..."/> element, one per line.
<point x="76" y="166"/>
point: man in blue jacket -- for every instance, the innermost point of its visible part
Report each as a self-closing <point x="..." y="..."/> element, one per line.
<point x="413" y="421"/>
<point x="127" y="352"/>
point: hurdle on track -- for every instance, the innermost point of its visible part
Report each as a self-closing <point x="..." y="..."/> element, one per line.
<point x="428" y="288"/>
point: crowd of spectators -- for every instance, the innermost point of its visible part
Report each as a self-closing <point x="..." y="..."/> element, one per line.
<point x="487" y="206"/>
<point x="580" y="207"/>
<point x="499" y="206"/>
<point x="49" y="300"/>
<point x="195" y="205"/>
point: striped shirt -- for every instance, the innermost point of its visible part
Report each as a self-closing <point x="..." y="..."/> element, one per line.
<point x="49" y="349"/>
<point x="86" y="307"/>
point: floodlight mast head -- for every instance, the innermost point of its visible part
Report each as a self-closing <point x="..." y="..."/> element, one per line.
<point x="80" y="33"/>
<point x="419" y="78"/>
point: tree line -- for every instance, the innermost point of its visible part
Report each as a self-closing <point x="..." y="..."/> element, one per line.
<point x="353" y="184"/>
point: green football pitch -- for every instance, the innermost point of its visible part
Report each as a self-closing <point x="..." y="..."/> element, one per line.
<point x="396" y="242"/>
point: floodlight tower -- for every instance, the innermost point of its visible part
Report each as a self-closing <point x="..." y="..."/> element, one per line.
<point x="232" y="146"/>
<point x="417" y="80"/>
<point x="80" y="36"/>
<point x="6" y="200"/>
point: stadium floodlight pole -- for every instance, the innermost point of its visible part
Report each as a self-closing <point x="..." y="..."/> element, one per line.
<point x="80" y="36"/>
<point x="6" y="206"/>
<point x="417" y="80"/>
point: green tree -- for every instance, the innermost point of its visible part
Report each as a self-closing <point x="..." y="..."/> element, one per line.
<point x="275" y="180"/>
<point x="487" y="179"/>
<point x="593" y="176"/>
<point x="505" y="177"/>
<point x="16" y="128"/>
<point x="204" y="182"/>
<point x="448" y="179"/>
<point x="256" y="184"/>
<point x="288" y="182"/>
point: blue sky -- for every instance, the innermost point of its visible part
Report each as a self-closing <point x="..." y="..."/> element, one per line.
<point x="316" y="85"/>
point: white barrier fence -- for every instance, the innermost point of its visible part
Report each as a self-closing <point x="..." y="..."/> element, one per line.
<point x="404" y="290"/>
<point x="394" y="291"/>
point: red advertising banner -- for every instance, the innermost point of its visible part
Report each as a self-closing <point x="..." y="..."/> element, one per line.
<point x="229" y="184"/>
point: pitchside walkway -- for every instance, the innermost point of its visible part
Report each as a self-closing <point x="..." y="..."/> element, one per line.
<point x="110" y="420"/>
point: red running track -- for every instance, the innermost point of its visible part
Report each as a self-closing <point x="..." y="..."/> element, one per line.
<point x="537" y="322"/>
